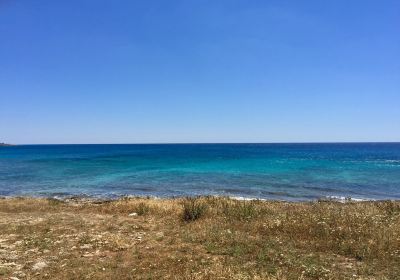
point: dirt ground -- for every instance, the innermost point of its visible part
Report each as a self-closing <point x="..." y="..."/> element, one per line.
<point x="203" y="238"/>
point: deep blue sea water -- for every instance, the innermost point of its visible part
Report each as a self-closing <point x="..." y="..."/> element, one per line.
<point x="268" y="171"/>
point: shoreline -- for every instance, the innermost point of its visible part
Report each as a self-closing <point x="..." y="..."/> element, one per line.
<point x="99" y="199"/>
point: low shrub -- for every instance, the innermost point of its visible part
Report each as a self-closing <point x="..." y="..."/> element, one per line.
<point x="142" y="208"/>
<point x="193" y="209"/>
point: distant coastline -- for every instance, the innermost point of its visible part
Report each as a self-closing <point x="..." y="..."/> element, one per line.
<point x="5" y="145"/>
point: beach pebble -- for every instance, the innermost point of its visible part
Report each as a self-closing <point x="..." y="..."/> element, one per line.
<point x="86" y="246"/>
<point x="20" y="274"/>
<point x="133" y="214"/>
<point x="11" y="256"/>
<point x="39" y="265"/>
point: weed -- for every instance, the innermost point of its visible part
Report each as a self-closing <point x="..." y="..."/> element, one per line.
<point x="142" y="208"/>
<point x="193" y="209"/>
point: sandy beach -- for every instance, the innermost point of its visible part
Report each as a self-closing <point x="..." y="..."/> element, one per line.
<point x="203" y="238"/>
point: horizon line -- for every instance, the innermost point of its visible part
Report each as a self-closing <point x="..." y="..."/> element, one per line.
<point x="212" y="143"/>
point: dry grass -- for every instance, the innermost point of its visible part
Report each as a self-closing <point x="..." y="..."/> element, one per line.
<point x="193" y="209"/>
<point x="202" y="238"/>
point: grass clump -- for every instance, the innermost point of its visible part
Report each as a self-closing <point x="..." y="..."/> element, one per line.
<point x="244" y="210"/>
<point x="142" y="208"/>
<point x="54" y="201"/>
<point x="237" y="209"/>
<point x="193" y="209"/>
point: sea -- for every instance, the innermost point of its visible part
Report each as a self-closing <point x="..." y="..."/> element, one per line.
<point x="288" y="172"/>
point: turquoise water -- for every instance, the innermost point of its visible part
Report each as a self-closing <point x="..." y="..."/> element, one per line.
<point x="270" y="171"/>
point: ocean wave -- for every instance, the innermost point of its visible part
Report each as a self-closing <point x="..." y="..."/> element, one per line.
<point x="392" y="160"/>
<point x="242" y="198"/>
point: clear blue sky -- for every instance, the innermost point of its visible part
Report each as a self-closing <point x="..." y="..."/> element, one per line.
<point x="199" y="71"/>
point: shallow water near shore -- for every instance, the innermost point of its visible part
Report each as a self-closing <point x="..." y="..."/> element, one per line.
<point x="293" y="172"/>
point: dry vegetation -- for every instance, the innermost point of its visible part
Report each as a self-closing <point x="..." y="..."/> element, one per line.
<point x="203" y="238"/>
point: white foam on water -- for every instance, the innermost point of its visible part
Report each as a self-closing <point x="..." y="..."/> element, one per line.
<point x="392" y="160"/>
<point x="344" y="199"/>
<point x="246" y="198"/>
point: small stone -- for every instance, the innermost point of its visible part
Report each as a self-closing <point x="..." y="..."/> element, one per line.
<point x="160" y="234"/>
<point x="133" y="214"/>
<point x="86" y="246"/>
<point x="39" y="265"/>
<point x="20" y="274"/>
<point x="14" y="278"/>
<point x="12" y="257"/>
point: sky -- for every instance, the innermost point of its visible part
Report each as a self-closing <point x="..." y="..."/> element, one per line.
<point x="96" y="71"/>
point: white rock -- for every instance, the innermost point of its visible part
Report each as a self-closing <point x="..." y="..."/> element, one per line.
<point x="86" y="246"/>
<point x="132" y="214"/>
<point x="39" y="265"/>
